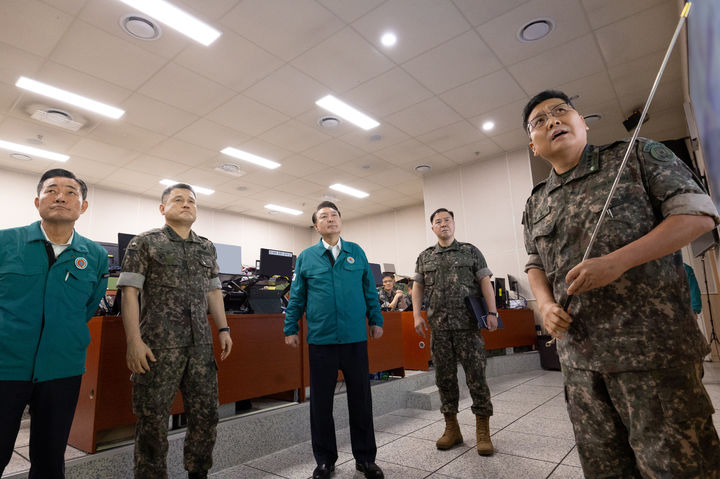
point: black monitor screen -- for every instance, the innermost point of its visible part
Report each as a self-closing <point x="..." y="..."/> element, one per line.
<point x="377" y="273"/>
<point x="500" y="293"/>
<point x="274" y="262"/>
<point x="512" y="283"/>
<point x="123" y="241"/>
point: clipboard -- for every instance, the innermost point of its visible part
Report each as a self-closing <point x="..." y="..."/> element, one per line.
<point x="477" y="306"/>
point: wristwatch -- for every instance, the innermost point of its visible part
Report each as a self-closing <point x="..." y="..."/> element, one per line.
<point x="493" y="313"/>
<point x="226" y="329"/>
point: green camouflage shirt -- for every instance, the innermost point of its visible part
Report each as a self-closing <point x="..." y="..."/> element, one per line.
<point x="643" y="320"/>
<point x="174" y="276"/>
<point x="449" y="275"/>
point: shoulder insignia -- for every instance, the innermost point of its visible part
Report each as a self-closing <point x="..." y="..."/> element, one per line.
<point x="538" y="186"/>
<point x="659" y="153"/>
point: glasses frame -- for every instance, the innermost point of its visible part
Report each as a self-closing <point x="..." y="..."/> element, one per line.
<point x="532" y="124"/>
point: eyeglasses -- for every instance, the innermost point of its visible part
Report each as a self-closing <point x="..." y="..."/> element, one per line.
<point x="557" y="111"/>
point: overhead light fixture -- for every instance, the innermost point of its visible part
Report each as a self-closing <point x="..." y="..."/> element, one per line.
<point x="69" y="97"/>
<point x="283" y="209"/>
<point x="198" y="189"/>
<point x="349" y="191"/>
<point x="32" y="151"/>
<point x="342" y="109"/>
<point x="176" y="19"/>
<point x="536" y="29"/>
<point x="140" y="27"/>
<point x="488" y="125"/>
<point x="250" y="158"/>
<point x="388" y="39"/>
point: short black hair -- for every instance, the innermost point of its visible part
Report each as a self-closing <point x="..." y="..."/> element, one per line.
<point x="325" y="204"/>
<point x="441" y="210"/>
<point x="539" y="98"/>
<point x="59" y="172"/>
<point x="388" y="274"/>
<point x="183" y="186"/>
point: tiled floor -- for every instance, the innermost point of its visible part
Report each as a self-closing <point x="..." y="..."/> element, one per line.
<point x="530" y="429"/>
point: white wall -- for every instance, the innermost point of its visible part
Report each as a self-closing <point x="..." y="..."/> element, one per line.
<point x="488" y="198"/>
<point x="112" y="212"/>
<point x="396" y="237"/>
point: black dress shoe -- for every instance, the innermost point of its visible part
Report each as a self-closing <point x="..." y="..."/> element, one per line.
<point x="370" y="469"/>
<point x="323" y="471"/>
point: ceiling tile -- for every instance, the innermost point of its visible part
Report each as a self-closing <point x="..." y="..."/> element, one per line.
<point x="90" y="171"/>
<point x="264" y="149"/>
<point x="381" y="137"/>
<point x="575" y="59"/>
<point x="69" y="6"/>
<point x="8" y="96"/>
<point x="182" y="152"/>
<point x="603" y="12"/>
<point x="102" y="152"/>
<point x="453" y="63"/>
<point x="207" y="10"/>
<point x="269" y="178"/>
<point x="179" y="86"/>
<point x="512" y="140"/>
<point x="93" y="51"/>
<point x="473" y="151"/>
<point x="343" y="61"/>
<point x="131" y="180"/>
<point x="246" y="115"/>
<point x="451" y="136"/>
<point x="480" y="12"/>
<point x="15" y="62"/>
<point x="128" y="136"/>
<point x="391" y="176"/>
<point x="412" y="187"/>
<point x="156" y="116"/>
<point x="500" y="33"/>
<point x="20" y="130"/>
<point x="302" y="187"/>
<point x="294" y="136"/>
<point x="406" y="152"/>
<point x="426" y="25"/>
<point x="666" y="96"/>
<point x="206" y="177"/>
<point x="655" y="26"/>
<point x="593" y="90"/>
<point x="231" y="61"/>
<point x="297" y="25"/>
<point x="390" y="92"/>
<point x="506" y="118"/>
<point x="333" y="152"/>
<point x="365" y="166"/>
<point x="31" y="25"/>
<point x="36" y="165"/>
<point x="438" y="163"/>
<point x="301" y="166"/>
<point x="157" y="166"/>
<point x="211" y="135"/>
<point x="484" y="94"/>
<point x="423" y="117"/>
<point x="73" y="80"/>
<point x="287" y="90"/>
<point x="640" y="74"/>
<point x="350" y="10"/>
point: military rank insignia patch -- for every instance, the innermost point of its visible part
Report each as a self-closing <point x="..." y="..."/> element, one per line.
<point x="659" y="153"/>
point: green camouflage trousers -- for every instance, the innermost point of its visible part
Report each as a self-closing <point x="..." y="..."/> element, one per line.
<point x="192" y="370"/>
<point x="468" y="347"/>
<point x="650" y="424"/>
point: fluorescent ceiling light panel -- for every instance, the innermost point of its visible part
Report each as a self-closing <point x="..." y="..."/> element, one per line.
<point x="198" y="189"/>
<point x="69" y="97"/>
<point x="177" y="19"/>
<point x="349" y="191"/>
<point x="342" y="109"/>
<point x="32" y="151"/>
<point x="283" y="209"/>
<point x="249" y="157"/>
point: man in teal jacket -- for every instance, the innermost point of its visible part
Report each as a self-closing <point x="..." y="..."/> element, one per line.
<point x="51" y="281"/>
<point x="334" y="287"/>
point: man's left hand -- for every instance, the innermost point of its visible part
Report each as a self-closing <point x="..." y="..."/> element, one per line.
<point x="592" y="273"/>
<point x="492" y="322"/>
<point x="225" y="344"/>
<point x="376" y="331"/>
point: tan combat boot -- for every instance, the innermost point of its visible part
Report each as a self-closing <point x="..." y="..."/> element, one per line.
<point x="482" y="434"/>
<point x="452" y="435"/>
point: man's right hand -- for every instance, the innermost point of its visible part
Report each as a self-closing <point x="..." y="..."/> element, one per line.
<point x="420" y="325"/>
<point x="293" y="340"/>
<point x="555" y="319"/>
<point x="137" y="357"/>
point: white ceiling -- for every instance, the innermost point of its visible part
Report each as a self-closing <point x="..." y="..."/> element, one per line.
<point x="456" y="64"/>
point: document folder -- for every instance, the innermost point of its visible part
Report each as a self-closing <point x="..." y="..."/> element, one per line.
<point x="478" y="308"/>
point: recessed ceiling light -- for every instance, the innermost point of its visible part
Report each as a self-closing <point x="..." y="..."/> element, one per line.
<point x="423" y="168"/>
<point x="347" y="112"/>
<point x="592" y="117"/>
<point x="349" y="190"/>
<point x="375" y="138"/>
<point x="177" y="19"/>
<point x="20" y="157"/>
<point x="198" y="189"/>
<point x="250" y="158"/>
<point x="536" y="29"/>
<point x="488" y="125"/>
<point x="329" y="122"/>
<point x="140" y="27"/>
<point x="69" y="97"/>
<point x="31" y="150"/>
<point x="388" y="39"/>
<point x="283" y="209"/>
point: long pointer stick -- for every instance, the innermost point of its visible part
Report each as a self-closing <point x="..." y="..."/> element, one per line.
<point x="683" y="16"/>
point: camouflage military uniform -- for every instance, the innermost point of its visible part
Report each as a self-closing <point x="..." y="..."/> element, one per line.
<point x="385" y="298"/>
<point x="174" y="276"/>
<point x="632" y="356"/>
<point x="449" y="275"/>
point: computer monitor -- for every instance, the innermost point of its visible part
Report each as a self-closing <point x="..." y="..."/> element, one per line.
<point x="512" y="283"/>
<point x="112" y="249"/>
<point x="274" y="262"/>
<point x="229" y="258"/>
<point x="123" y="242"/>
<point x="500" y="293"/>
<point x="377" y="273"/>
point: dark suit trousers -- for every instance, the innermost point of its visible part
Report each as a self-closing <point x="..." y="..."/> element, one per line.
<point x="352" y="360"/>
<point x="52" y="408"/>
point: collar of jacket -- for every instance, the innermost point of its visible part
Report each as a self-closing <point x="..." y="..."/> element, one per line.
<point x="35" y="234"/>
<point x="453" y="246"/>
<point x="173" y="236"/>
<point x="589" y="163"/>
